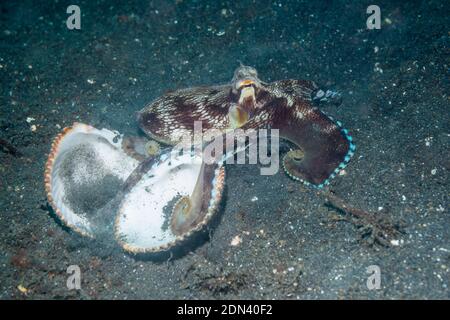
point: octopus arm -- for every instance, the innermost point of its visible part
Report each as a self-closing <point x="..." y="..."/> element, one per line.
<point x="325" y="147"/>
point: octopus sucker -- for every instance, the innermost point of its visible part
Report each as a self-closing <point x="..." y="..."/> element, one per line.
<point x="249" y="103"/>
<point x="182" y="211"/>
<point x="140" y="148"/>
<point x="84" y="169"/>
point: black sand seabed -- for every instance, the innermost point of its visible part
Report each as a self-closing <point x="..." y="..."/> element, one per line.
<point x="395" y="87"/>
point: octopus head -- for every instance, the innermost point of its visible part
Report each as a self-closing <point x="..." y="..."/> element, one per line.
<point x="245" y="77"/>
<point x="245" y="84"/>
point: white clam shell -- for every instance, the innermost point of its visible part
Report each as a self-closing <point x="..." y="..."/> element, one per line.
<point x="88" y="175"/>
<point x="143" y="222"/>
<point x="84" y="170"/>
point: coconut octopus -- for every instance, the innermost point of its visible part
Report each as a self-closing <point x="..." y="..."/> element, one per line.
<point x="98" y="181"/>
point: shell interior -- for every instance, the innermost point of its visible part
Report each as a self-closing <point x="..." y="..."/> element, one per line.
<point x="144" y="220"/>
<point x="85" y="169"/>
<point x="93" y="184"/>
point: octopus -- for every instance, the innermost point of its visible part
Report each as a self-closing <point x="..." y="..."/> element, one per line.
<point x="151" y="198"/>
<point x="323" y="146"/>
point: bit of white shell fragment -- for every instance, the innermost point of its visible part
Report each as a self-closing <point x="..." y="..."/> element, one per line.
<point x="22" y="289"/>
<point x="377" y="68"/>
<point x="237" y="240"/>
<point x="396" y="242"/>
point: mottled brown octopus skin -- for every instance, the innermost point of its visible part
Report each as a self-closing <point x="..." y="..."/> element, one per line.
<point x="321" y="140"/>
<point x="177" y="110"/>
<point x="285" y="105"/>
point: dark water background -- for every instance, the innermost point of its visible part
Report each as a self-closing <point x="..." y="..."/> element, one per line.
<point x="395" y="87"/>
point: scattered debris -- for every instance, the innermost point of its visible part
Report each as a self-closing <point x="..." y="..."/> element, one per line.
<point x="20" y="260"/>
<point x="374" y="228"/>
<point x="396" y="242"/>
<point x="22" y="289"/>
<point x="237" y="240"/>
<point x="377" y="68"/>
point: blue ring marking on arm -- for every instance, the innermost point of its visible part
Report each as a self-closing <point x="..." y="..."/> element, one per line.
<point x="341" y="166"/>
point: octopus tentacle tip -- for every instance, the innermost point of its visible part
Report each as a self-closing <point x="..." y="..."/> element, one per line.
<point x="152" y="148"/>
<point x="182" y="215"/>
<point x="140" y="148"/>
